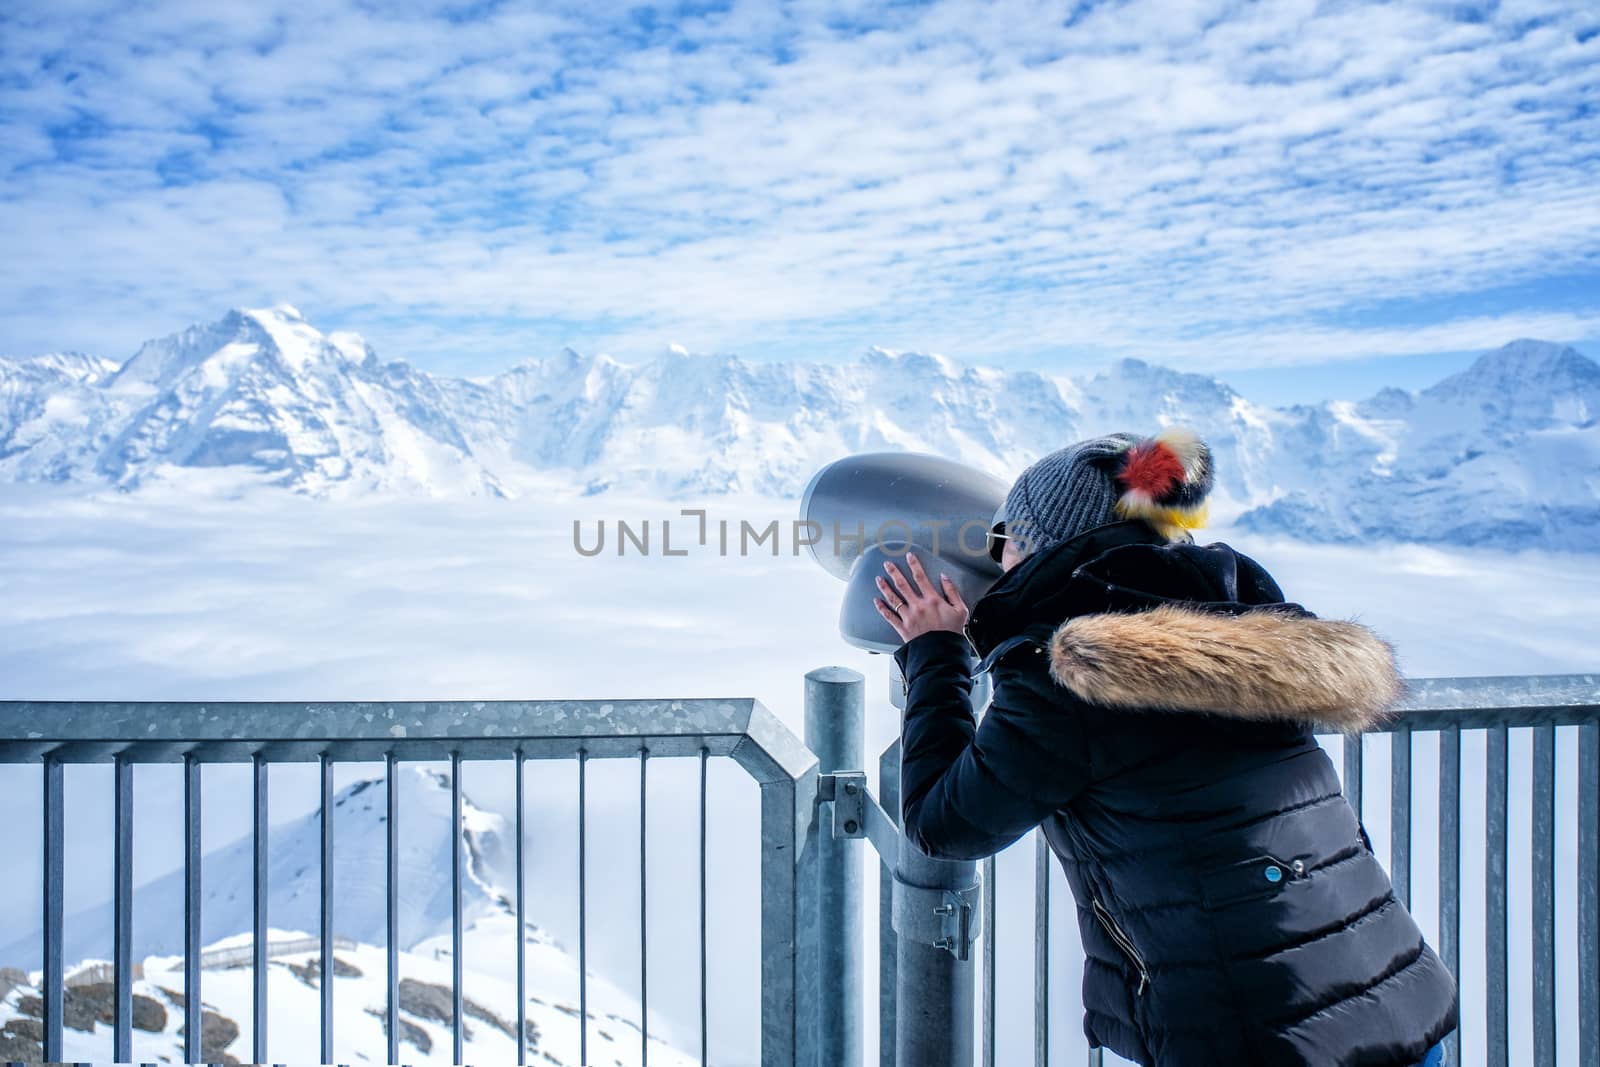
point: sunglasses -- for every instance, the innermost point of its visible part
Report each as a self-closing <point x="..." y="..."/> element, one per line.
<point x="997" y="537"/>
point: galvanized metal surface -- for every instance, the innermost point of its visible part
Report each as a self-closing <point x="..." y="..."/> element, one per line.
<point x="1497" y="877"/>
<point x="1450" y="867"/>
<point x="258" y="908"/>
<point x="85" y="732"/>
<point x="930" y="1021"/>
<point x="325" y="913"/>
<point x="458" y="1020"/>
<point x="888" y="952"/>
<point x="122" y="913"/>
<point x="522" y="918"/>
<point x="786" y="825"/>
<point x="1400" y="812"/>
<point x="1589" y="895"/>
<point x="1041" y="950"/>
<point x="391" y="890"/>
<point x="1544" y="896"/>
<point x="1354" y="751"/>
<point x="193" y="1013"/>
<point x="1481" y="703"/>
<point x="54" y="897"/>
<point x="705" y="999"/>
<point x="195" y="734"/>
<point x="644" y="909"/>
<point x="835" y="729"/>
<point x="199" y="733"/>
<point x="990" y="974"/>
<point x="583" y="907"/>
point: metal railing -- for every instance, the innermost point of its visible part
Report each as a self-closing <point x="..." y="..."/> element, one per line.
<point x="56" y="734"/>
<point x="937" y="922"/>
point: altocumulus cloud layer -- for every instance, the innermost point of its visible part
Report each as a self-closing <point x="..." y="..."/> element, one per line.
<point x="1189" y="180"/>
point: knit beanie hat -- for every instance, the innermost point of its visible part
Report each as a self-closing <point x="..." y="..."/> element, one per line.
<point x="1163" y="479"/>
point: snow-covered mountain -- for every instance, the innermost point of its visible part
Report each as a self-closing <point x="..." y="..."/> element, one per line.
<point x="258" y="390"/>
<point x="1505" y="453"/>
<point x="360" y="810"/>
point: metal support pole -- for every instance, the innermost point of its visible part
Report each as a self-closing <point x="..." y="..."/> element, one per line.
<point x="835" y="701"/>
<point x="933" y="988"/>
<point x="935" y="985"/>
<point x="193" y="1006"/>
<point x="889" y="794"/>
<point x="55" y="837"/>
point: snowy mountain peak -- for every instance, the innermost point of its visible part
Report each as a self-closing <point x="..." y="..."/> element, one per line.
<point x="262" y="396"/>
<point x="924" y="363"/>
<point x="294" y="849"/>
<point x="1131" y="373"/>
<point x="67" y="366"/>
<point x="1526" y="380"/>
<point x="266" y="395"/>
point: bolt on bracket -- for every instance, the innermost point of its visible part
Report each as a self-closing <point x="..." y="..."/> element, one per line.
<point x="948" y="919"/>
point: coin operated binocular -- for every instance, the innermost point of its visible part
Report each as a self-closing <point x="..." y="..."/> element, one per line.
<point x="867" y="509"/>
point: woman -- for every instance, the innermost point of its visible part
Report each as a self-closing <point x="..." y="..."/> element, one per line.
<point x="1154" y="709"/>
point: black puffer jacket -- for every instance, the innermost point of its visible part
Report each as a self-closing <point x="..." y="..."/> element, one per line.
<point x="1153" y="708"/>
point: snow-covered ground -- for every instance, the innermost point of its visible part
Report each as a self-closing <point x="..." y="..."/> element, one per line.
<point x="175" y="594"/>
<point x="359" y="996"/>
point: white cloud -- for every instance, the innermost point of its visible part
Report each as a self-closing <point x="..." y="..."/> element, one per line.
<point x="975" y="178"/>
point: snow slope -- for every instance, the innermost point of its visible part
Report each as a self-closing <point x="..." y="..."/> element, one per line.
<point x="1504" y="454"/>
<point x="489" y="940"/>
<point x="295" y="849"/>
<point x="359" y="997"/>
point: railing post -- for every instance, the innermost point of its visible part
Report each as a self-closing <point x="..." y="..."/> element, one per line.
<point x="836" y="732"/>
<point x="935" y="985"/>
<point x="888" y="950"/>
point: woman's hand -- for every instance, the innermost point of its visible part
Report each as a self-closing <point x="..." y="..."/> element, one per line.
<point x="916" y="609"/>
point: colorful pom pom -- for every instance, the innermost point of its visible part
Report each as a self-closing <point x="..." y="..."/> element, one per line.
<point x="1166" y="479"/>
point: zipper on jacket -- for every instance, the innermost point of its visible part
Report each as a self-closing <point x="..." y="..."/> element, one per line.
<point x="1123" y="942"/>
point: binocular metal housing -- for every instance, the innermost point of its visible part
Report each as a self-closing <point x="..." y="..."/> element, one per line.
<point x="875" y="507"/>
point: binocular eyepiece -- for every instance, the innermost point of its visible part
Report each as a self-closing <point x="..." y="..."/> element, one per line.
<point x="882" y="506"/>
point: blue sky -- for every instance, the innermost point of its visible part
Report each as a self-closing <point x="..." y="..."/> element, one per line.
<point x="1285" y="192"/>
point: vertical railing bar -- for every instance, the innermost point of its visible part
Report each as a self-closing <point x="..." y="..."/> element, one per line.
<point x="1544" y="896"/>
<point x="54" y="906"/>
<point x="1352" y="773"/>
<point x="1041" y="951"/>
<point x="325" y="912"/>
<point x="888" y="941"/>
<point x="258" y="907"/>
<point x="391" y="892"/>
<point x="457" y="997"/>
<point x="1496" y="970"/>
<point x="583" y="911"/>
<point x="644" y="965"/>
<point x="193" y="1010"/>
<point x="122" y="916"/>
<point x="1589" y="895"/>
<point x="522" y="943"/>
<point x="705" y="1054"/>
<point x="988" y="978"/>
<point x="1450" y="866"/>
<point x="1400" y="813"/>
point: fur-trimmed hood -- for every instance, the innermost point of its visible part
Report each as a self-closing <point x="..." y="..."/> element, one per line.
<point x="1133" y="621"/>
<point x="1261" y="664"/>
